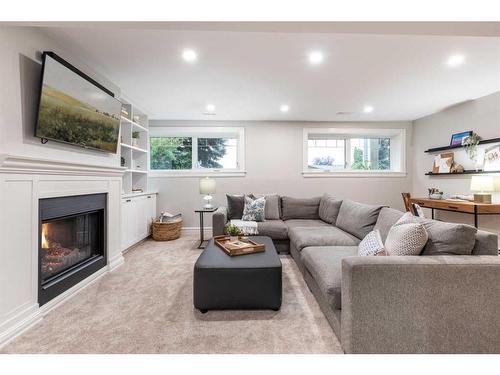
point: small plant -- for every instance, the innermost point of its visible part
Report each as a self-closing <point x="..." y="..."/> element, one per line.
<point x="232" y="230"/>
<point x="470" y="145"/>
<point x="135" y="135"/>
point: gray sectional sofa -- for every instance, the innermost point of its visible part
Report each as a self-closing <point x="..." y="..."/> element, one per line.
<point x="445" y="303"/>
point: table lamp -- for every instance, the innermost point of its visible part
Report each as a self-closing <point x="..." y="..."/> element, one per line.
<point x="483" y="185"/>
<point x="207" y="187"/>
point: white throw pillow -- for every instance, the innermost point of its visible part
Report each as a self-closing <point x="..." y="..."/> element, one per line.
<point x="406" y="237"/>
<point x="254" y="209"/>
<point x="372" y="244"/>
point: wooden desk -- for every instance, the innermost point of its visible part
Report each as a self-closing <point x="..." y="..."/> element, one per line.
<point x="472" y="208"/>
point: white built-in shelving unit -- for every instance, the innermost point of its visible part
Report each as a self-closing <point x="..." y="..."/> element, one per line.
<point x="135" y="155"/>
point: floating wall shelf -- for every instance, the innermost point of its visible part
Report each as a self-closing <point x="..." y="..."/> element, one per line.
<point x="458" y="174"/>
<point x="445" y="148"/>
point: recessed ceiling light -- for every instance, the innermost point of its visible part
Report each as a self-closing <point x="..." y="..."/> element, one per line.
<point x="455" y="60"/>
<point x="189" y="55"/>
<point x="368" y="109"/>
<point x="210" y="108"/>
<point x="316" y="57"/>
<point x="284" y="108"/>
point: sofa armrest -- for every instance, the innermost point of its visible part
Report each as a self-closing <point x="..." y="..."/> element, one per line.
<point x="219" y="220"/>
<point x="421" y="304"/>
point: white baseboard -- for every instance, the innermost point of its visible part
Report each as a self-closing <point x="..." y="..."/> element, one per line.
<point x="196" y="231"/>
<point x="116" y="262"/>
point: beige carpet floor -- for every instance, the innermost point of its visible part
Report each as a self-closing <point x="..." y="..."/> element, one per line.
<point x="146" y="306"/>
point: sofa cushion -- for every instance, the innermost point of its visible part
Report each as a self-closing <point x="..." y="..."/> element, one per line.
<point x="329" y="208"/>
<point x="272" y="205"/>
<point x="356" y="218"/>
<point x="320" y="236"/>
<point x="303" y="223"/>
<point x="324" y="263"/>
<point x="486" y="244"/>
<point x="276" y="229"/>
<point x="448" y="238"/>
<point x="406" y="237"/>
<point x="386" y="219"/>
<point x="254" y="209"/>
<point x="299" y="208"/>
<point x="371" y="245"/>
<point x="235" y="205"/>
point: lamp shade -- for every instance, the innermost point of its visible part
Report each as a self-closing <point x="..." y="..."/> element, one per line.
<point x="207" y="185"/>
<point x="482" y="183"/>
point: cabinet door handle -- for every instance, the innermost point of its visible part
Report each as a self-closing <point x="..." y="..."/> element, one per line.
<point x="128" y="200"/>
<point x="149" y="196"/>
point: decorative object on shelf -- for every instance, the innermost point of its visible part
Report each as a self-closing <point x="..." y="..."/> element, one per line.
<point x="483" y="185"/>
<point x="136" y="119"/>
<point x="167" y="231"/>
<point x="233" y="232"/>
<point x="207" y="187"/>
<point x="122" y="161"/>
<point x="470" y="144"/>
<point x="457" y="168"/>
<point x="137" y="190"/>
<point x="492" y="159"/>
<point x="459" y="138"/>
<point x="135" y="139"/>
<point x="435" y="193"/>
<point x="124" y="112"/>
<point x="443" y="163"/>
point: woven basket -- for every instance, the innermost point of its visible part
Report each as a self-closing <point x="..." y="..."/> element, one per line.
<point x="167" y="231"/>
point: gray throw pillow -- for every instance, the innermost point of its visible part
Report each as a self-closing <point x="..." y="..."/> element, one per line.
<point x="235" y="205"/>
<point x="329" y="208"/>
<point x="272" y="205"/>
<point x="371" y="245"/>
<point x="254" y="209"/>
<point x="356" y="218"/>
<point x="406" y="237"/>
<point x="448" y="238"/>
<point x="300" y="208"/>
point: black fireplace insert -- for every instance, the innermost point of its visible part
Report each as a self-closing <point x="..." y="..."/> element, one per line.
<point x="72" y="242"/>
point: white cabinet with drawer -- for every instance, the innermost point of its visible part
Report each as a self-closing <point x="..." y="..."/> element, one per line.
<point x="137" y="214"/>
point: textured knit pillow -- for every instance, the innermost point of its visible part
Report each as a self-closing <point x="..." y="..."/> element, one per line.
<point x="406" y="237"/>
<point x="371" y="245"/>
<point x="255" y="209"/>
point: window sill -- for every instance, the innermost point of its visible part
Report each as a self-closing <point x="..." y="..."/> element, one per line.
<point x="352" y="174"/>
<point x="211" y="173"/>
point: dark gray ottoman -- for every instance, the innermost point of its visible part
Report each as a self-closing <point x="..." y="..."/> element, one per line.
<point x="251" y="281"/>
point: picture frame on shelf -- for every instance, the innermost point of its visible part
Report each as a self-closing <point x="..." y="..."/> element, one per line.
<point x="457" y="139"/>
<point x="492" y="159"/>
<point x="443" y="162"/>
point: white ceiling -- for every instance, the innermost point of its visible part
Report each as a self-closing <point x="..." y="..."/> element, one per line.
<point x="247" y="75"/>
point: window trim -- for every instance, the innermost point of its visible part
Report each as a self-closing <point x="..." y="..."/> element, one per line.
<point x="200" y="132"/>
<point x="397" y="134"/>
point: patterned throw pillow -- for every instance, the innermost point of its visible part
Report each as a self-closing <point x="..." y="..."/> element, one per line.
<point x="254" y="209"/>
<point x="372" y="244"/>
<point x="407" y="237"/>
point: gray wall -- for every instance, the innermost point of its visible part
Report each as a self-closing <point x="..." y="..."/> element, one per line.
<point x="274" y="165"/>
<point x="481" y="115"/>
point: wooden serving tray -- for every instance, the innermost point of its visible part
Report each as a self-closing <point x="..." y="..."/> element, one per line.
<point x="240" y="247"/>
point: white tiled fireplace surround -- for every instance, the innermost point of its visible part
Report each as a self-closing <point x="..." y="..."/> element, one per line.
<point x="23" y="181"/>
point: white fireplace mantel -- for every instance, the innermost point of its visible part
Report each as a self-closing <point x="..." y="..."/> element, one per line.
<point x="24" y="164"/>
<point x="23" y="182"/>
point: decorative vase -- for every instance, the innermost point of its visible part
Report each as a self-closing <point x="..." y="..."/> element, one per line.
<point x="135" y="142"/>
<point x="233" y="238"/>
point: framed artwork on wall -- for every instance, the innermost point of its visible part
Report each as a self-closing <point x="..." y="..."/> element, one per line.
<point x="443" y="163"/>
<point x="492" y="159"/>
<point x="457" y="139"/>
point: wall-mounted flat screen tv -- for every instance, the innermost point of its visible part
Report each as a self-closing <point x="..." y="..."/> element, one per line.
<point x="75" y="109"/>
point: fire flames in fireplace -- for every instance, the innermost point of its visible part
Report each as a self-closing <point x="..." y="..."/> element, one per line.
<point x="56" y="254"/>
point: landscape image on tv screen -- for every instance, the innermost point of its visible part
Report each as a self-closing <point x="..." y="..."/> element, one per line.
<point x="73" y="110"/>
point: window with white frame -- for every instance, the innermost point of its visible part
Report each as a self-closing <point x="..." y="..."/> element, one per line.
<point x="353" y="151"/>
<point x="196" y="149"/>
